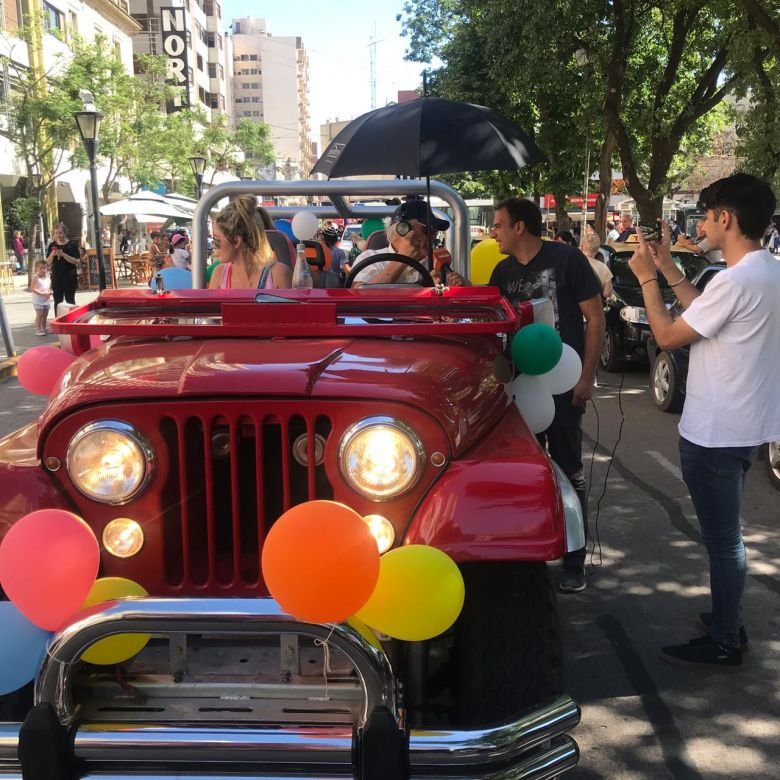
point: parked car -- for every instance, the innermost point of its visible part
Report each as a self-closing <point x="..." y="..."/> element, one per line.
<point x="669" y="373"/>
<point x="346" y="237"/>
<point x="627" y="328"/>
<point x="183" y="438"/>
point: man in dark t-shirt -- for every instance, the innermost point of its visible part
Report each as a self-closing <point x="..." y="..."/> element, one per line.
<point x="626" y="228"/>
<point x="548" y="269"/>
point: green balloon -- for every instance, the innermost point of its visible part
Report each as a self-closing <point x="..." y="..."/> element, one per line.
<point x="536" y="348"/>
<point x="371" y="226"/>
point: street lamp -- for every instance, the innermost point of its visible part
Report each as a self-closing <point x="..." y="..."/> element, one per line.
<point x="198" y="165"/>
<point x="89" y="127"/>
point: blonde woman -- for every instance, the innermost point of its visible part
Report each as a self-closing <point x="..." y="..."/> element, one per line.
<point x="246" y="259"/>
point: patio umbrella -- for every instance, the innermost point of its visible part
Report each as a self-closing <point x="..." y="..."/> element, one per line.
<point x="428" y="136"/>
<point x="144" y="203"/>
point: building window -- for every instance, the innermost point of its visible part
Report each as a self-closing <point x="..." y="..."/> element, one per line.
<point x="202" y="95"/>
<point x="190" y="76"/>
<point x="212" y="70"/>
<point x="74" y="23"/>
<point x="247" y="113"/>
<point x="214" y="100"/>
<point x="211" y="39"/>
<point x="221" y="73"/>
<point x="209" y="7"/>
<point x="219" y="11"/>
<point x="255" y="85"/>
<point x="255" y="99"/>
<point x="219" y="40"/>
<point x="199" y="60"/>
<point x="154" y="24"/>
<point x="253" y="57"/>
<point x="52" y="18"/>
<point x="255" y="113"/>
<point x="246" y="85"/>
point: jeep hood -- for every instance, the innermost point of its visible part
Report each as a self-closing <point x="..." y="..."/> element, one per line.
<point x="452" y="379"/>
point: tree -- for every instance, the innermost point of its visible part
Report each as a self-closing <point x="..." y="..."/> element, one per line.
<point x="242" y="150"/>
<point x="656" y="72"/>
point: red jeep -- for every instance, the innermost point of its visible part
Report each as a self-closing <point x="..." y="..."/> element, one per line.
<point x="237" y="405"/>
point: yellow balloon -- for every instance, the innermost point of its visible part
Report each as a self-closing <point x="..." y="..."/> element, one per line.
<point x="485" y="256"/>
<point x="365" y="632"/>
<point x="419" y="594"/>
<point x="114" y="649"/>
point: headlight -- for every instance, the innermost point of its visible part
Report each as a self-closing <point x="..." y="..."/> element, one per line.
<point x="381" y="457"/>
<point x="123" y="537"/>
<point x="109" y="461"/>
<point x="635" y="314"/>
<point x="382" y="530"/>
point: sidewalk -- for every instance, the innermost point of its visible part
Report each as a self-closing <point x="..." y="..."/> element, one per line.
<point x="21" y="318"/>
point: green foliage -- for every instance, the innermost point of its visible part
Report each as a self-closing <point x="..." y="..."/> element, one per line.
<point x="242" y="150"/>
<point x="22" y="213"/>
<point x="657" y="74"/>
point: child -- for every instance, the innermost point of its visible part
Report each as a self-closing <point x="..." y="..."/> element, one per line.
<point x="41" y="296"/>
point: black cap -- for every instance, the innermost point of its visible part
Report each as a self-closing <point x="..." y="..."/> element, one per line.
<point x="418" y="209"/>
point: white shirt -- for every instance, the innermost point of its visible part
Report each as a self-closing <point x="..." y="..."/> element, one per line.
<point x="180" y="257"/>
<point x="367" y="275"/>
<point x="733" y="392"/>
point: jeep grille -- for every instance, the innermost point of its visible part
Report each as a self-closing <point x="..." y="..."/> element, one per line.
<point x="229" y="479"/>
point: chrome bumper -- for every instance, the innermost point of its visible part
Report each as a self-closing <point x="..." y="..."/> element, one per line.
<point x="535" y="745"/>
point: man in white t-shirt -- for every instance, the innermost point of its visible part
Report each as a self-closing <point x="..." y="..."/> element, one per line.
<point x="731" y="403"/>
<point x="407" y="235"/>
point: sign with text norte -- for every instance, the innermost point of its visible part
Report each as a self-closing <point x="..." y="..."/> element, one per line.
<point x="174" y="43"/>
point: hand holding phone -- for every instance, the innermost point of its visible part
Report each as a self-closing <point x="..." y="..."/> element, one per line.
<point x="651" y="233"/>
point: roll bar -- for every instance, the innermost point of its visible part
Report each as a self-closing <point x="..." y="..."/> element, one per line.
<point x="339" y="207"/>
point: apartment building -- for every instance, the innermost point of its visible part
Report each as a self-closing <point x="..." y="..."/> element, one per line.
<point x="191" y="34"/>
<point x="271" y="85"/>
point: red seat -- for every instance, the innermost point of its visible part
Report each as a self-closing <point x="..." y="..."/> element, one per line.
<point x="377" y="240"/>
<point x="283" y="248"/>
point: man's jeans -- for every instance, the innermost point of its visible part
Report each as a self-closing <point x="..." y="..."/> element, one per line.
<point x="715" y="477"/>
<point x="564" y="443"/>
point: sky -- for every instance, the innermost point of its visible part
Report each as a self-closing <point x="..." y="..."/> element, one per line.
<point x="337" y="37"/>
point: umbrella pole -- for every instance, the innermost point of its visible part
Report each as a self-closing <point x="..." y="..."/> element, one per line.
<point x="429" y="226"/>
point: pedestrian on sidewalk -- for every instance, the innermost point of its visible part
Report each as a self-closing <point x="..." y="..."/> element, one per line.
<point x="64" y="258"/>
<point x="41" y="296"/>
<point x="733" y="327"/>
<point x="18" y="247"/>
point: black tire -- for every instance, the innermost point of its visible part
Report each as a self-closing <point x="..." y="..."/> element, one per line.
<point x="507" y="642"/>
<point x="665" y="384"/>
<point x="771" y="457"/>
<point x="612" y="358"/>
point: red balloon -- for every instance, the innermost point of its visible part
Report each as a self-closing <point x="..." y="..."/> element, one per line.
<point x="48" y="564"/>
<point x="40" y="368"/>
<point x="320" y="562"/>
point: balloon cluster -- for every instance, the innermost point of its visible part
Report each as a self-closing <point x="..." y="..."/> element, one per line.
<point x="322" y="565"/>
<point x="549" y="367"/>
<point x="48" y="567"/>
<point x="40" y="368"/>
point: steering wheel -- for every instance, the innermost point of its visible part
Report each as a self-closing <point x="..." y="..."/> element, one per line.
<point x="381" y="257"/>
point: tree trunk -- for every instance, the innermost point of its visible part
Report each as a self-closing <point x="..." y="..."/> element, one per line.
<point x="605" y="186"/>
<point x="562" y="218"/>
<point x="650" y="208"/>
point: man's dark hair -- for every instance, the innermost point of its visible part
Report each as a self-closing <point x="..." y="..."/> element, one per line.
<point x="749" y="199"/>
<point x="522" y="210"/>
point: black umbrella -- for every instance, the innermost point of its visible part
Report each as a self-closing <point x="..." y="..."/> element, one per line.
<point x="428" y="136"/>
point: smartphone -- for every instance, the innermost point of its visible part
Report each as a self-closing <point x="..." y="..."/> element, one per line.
<point x="651" y="232"/>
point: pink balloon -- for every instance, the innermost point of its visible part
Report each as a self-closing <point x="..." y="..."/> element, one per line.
<point x="40" y="368"/>
<point x="48" y="564"/>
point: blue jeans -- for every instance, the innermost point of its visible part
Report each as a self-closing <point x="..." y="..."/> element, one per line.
<point x="715" y="477"/>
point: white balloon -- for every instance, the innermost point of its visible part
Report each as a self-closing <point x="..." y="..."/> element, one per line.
<point x="566" y="372"/>
<point x="534" y="401"/>
<point x="304" y="225"/>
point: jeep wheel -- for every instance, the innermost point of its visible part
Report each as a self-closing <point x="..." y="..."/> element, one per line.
<point x="772" y="463"/>
<point x="507" y="643"/>
<point x="665" y="384"/>
<point x="611" y="358"/>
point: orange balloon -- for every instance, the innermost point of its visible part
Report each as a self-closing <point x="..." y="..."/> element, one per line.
<point x="320" y="562"/>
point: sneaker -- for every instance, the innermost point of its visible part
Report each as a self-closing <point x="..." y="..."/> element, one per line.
<point x="40" y="332"/>
<point x="572" y="582"/>
<point x="705" y="618"/>
<point x="703" y="653"/>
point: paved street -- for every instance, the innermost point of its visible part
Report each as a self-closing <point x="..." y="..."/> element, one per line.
<point x="641" y="717"/>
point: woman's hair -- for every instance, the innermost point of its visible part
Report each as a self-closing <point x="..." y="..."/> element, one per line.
<point x="265" y="218"/>
<point x="590" y="243"/>
<point x="240" y="218"/>
<point x="63" y="227"/>
<point x="566" y="236"/>
<point x="17" y="233"/>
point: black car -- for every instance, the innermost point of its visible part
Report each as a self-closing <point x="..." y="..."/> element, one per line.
<point x="627" y="329"/>
<point x="669" y="372"/>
